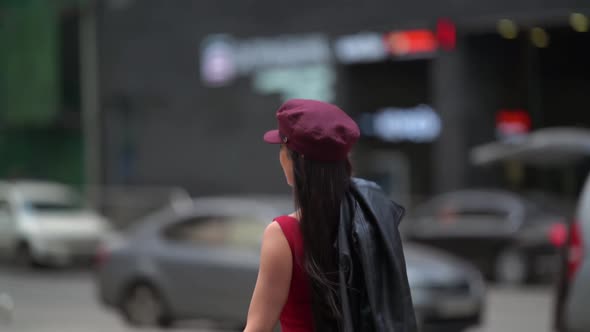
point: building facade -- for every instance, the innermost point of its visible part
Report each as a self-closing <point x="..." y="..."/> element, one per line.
<point x="187" y="88"/>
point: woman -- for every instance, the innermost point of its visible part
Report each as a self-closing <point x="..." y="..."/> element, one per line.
<point x="300" y="277"/>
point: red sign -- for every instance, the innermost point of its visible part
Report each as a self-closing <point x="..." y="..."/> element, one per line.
<point x="411" y="42"/>
<point x="513" y="122"/>
<point x="446" y="33"/>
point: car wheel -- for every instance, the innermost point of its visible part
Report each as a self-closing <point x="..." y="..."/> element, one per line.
<point x="143" y="306"/>
<point x="23" y="257"/>
<point x="511" y="268"/>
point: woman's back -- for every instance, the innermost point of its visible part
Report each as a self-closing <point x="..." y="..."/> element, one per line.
<point x="296" y="315"/>
<point x="302" y="292"/>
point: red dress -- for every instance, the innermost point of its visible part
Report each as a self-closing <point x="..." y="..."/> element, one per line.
<point x="296" y="315"/>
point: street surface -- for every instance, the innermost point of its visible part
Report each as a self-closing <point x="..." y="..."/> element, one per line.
<point x="49" y="300"/>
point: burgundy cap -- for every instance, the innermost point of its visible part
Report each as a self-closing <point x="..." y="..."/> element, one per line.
<point x="317" y="130"/>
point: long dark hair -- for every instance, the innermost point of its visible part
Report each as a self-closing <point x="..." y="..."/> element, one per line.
<point x="319" y="189"/>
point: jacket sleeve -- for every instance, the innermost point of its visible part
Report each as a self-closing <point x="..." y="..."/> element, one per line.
<point x="345" y="272"/>
<point x="382" y="258"/>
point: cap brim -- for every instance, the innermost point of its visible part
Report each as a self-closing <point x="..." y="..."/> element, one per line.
<point x="273" y="137"/>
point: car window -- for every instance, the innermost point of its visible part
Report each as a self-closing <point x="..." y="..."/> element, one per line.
<point x="223" y="232"/>
<point x="49" y="206"/>
<point x="481" y="212"/>
<point x="461" y="214"/>
<point x="474" y="218"/>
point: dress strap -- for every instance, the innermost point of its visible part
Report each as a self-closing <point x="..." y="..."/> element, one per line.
<point x="290" y="227"/>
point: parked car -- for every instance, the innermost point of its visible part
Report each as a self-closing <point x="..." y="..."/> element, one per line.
<point x="47" y="223"/>
<point x="201" y="262"/>
<point x="510" y="239"/>
<point x="448" y="293"/>
<point x="573" y="294"/>
<point x="558" y="147"/>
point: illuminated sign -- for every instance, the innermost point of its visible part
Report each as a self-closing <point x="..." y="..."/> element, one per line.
<point x="261" y="53"/>
<point x="223" y="58"/>
<point x="446" y="34"/>
<point x="512" y="123"/>
<point x="419" y="124"/>
<point x="217" y="61"/>
<point x="310" y="82"/>
<point x="411" y="42"/>
<point x="359" y="48"/>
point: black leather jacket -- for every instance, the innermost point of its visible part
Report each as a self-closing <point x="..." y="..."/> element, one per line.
<point x="374" y="289"/>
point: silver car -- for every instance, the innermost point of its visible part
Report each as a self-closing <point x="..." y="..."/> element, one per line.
<point x="574" y="288"/>
<point x="46" y="223"/>
<point x="201" y="262"/>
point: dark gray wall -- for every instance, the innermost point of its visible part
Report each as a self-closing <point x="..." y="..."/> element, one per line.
<point x="161" y="126"/>
<point x="470" y="85"/>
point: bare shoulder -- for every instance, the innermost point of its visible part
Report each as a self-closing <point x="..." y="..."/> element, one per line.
<point x="273" y="230"/>
<point x="274" y="233"/>
<point x="275" y="246"/>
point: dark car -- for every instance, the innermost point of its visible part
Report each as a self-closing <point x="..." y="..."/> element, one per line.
<point x="510" y="239"/>
<point x="201" y="262"/>
<point x="565" y="148"/>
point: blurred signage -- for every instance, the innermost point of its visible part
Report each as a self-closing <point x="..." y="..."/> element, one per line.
<point x="511" y="124"/>
<point x="260" y="53"/>
<point x="223" y="58"/>
<point x="419" y="124"/>
<point x="218" y="65"/>
<point x="311" y="82"/>
<point x="360" y="48"/>
<point x="411" y="42"/>
<point x="446" y="34"/>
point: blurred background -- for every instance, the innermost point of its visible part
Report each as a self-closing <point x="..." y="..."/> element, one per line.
<point x="135" y="184"/>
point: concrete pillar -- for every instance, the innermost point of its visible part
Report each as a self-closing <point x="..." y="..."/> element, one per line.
<point x="449" y="98"/>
